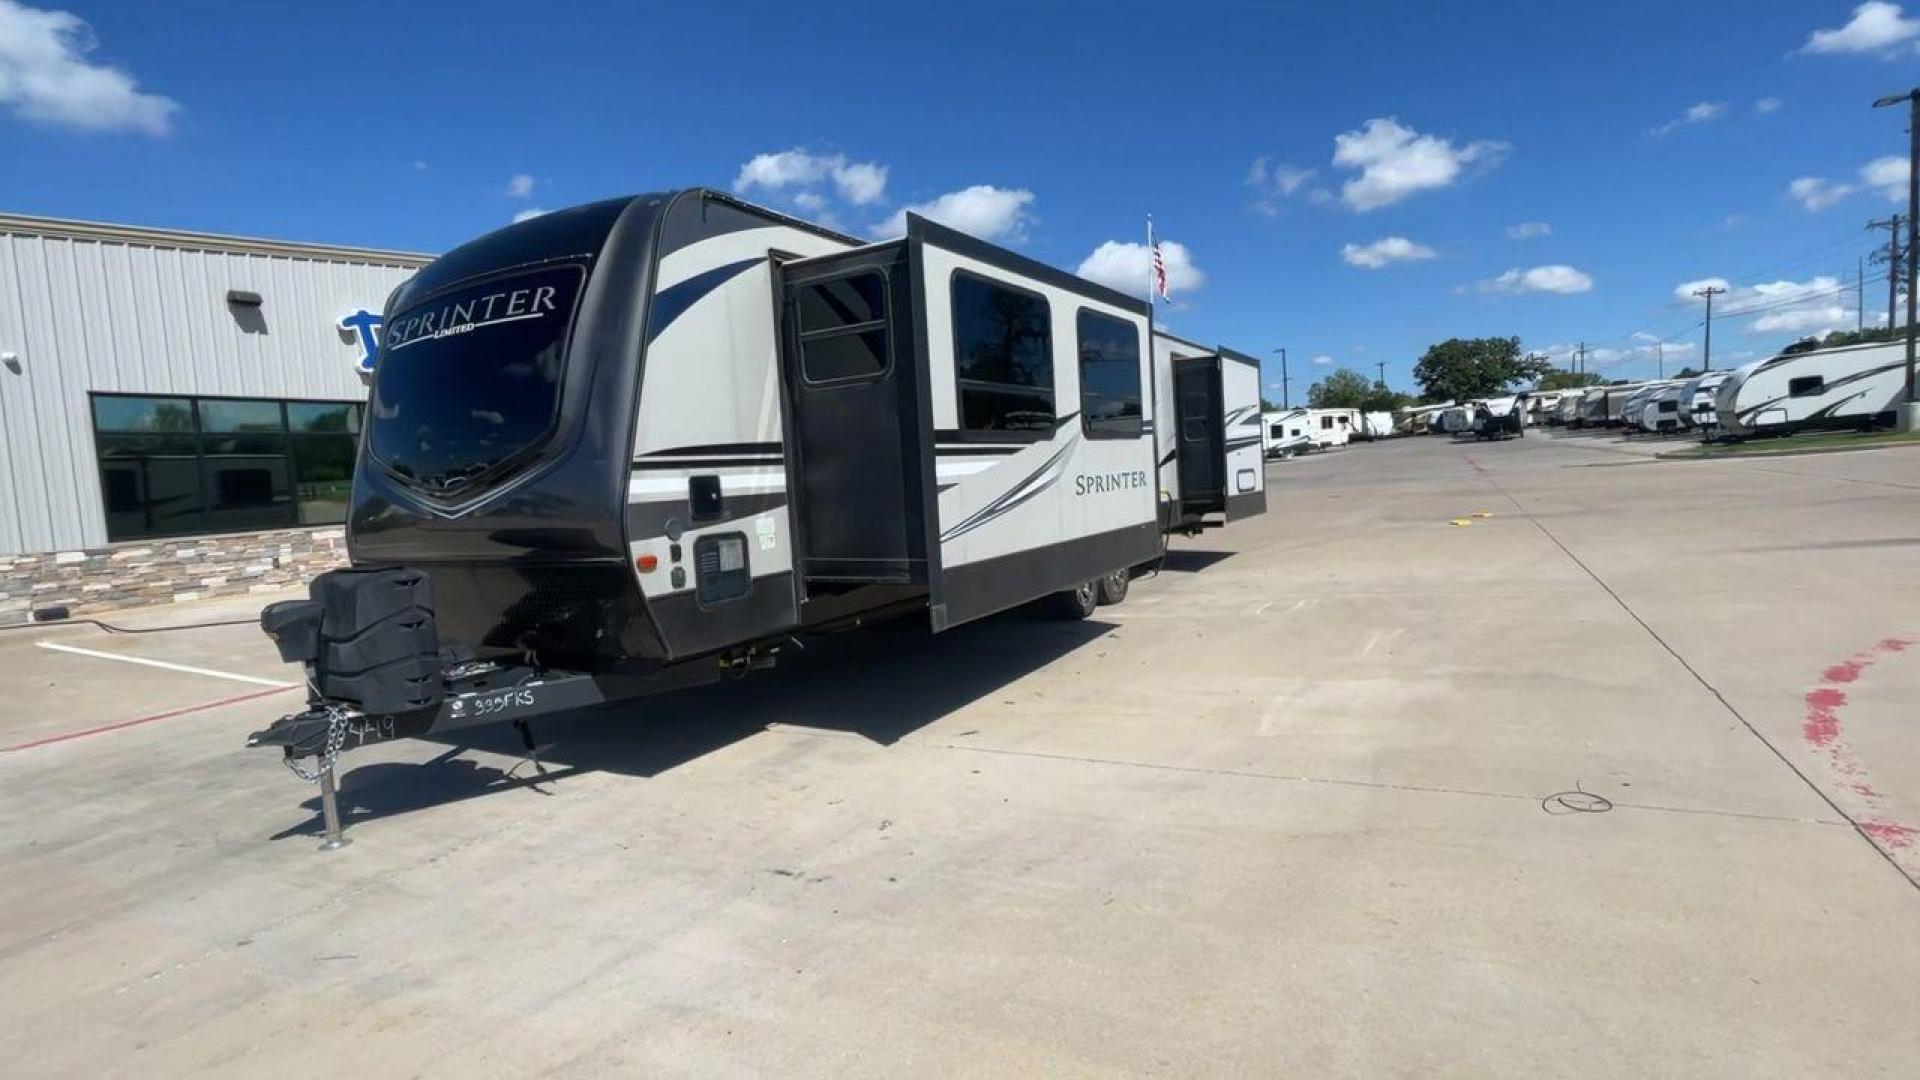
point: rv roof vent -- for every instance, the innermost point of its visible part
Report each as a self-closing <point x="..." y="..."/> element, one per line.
<point x="243" y="298"/>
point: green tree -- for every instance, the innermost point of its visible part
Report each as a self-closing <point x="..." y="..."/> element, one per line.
<point x="1462" y="368"/>
<point x="1381" y="399"/>
<point x="1344" y="389"/>
<point x="1685" y="373"/>
<point x="1567" y="380"/>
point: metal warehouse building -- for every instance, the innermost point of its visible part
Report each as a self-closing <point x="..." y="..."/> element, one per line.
<point x="158" y="385"/>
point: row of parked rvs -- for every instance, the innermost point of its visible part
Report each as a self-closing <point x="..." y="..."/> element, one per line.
<point x="1298" y="431"/>
<point x="1853" y="386"/>
<point x="649" y="442"/>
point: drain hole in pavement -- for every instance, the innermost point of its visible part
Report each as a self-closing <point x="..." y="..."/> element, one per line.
<point x="1576" y="801"/>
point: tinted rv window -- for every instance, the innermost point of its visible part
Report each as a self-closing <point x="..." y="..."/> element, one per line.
<point x="1805" y="385"/>
<point x="471" y="378"/>
<point x="1002" y="357"/>
<point x="843" y="328"/>
<point x="1109" y="376"/>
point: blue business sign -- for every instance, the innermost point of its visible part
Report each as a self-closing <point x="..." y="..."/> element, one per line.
<point x="365" y="326"/>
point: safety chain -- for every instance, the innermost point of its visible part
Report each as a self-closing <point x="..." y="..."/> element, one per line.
<point x="337" y="723"/>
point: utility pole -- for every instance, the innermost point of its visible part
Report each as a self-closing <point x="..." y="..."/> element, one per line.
<point x="1711" y="291"/>
<point x="1911" y="412"/>
<point x="1382" y="365"/>
<point x="1660" y="351"/>
<point x="1286" y="399"/>
<point x="1860" y="295"/>
<point x="1892" y="225"/>
<point x="1580" y="359"/>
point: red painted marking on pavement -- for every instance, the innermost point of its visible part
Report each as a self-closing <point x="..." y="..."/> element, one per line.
<point x="1890" y="835"/>
<point x="1475" y="462"/>
<point x="138" y="720"/>
<point x="1823" y="718"/>
<point x="1822" y="730"/>
<point x="1846" y="672"/>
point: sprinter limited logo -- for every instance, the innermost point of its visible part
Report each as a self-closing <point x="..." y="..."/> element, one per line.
<point x="1100" y="483"/>
<point x="474" y="313"/>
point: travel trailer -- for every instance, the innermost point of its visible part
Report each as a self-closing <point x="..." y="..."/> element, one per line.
<point x="1697" y="397"/>
<point x="1636" y="401"/>
<point x="1661" y="413"/>
<point x="1567" y="409"/>
<point x="1287" y="433"/>
<point x="1376" y="425"/>
<point x="1854" y="386"/>
<point x="1332" y="427"/>
<point x="642" y="443"/>
<point x="1616" y="398"/>
<point x="1211" y="444"/>
<point x="1455" y="419"/>
<point x="1421" y="419"/>
<point x="1498" y="418"/>
<point x="1592" y="409"/>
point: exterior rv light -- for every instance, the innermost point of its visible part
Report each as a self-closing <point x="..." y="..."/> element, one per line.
<point x="647" y="564"/>
<point x="243" y="298"/>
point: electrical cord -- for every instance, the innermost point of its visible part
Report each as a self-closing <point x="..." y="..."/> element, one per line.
<point x="112" y="629"/>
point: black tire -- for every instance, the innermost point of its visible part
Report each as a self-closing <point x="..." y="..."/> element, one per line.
<point x="1075" y="603"/>
<point x="1113" y="587"/>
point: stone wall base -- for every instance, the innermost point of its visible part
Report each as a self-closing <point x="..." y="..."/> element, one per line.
<point x="166" y="571"/>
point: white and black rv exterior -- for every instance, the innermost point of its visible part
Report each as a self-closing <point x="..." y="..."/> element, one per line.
<point x="1850" y="387"/>
<point x="637" y="444"/>
<point x="1697" y="400"/>
<point x="1207" y="429"/>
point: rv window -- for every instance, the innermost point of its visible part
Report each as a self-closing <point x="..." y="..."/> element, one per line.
<point x="471" y="377"/>
<point x="843" y="328"/>
<point x="1326" y="423"/>
<point x="1002" y="357"/>
<point x="1805" y="385"/>
<point x="1109" y="376"/>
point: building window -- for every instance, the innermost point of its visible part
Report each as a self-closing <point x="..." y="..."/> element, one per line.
<point x="1002" y="358"/>
<point x="1109" y="376"/>
<point x="1806" y="386"/>
<point x="176" y="465"/>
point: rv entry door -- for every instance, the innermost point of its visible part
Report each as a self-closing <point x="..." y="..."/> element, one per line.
<point x="1201" y="412"/>
<point x="859" y="449"/>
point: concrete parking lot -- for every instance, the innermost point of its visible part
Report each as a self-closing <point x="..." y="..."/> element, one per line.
<point x="1329" y="796"/>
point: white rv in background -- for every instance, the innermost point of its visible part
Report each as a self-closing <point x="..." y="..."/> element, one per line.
<point x="1376" y="425"/>
<point x="1286" y="433"/>
<point x="1332" y="427"/>
<point x="1454" y="419"/>
<point x="1420" y="419"/>
<point x="1208" y="435"/>
<point x="1850" y="387"/>
<point x="1696" y="399"/>
<point x="1662" y="412"/>
<point x="1629" y="416"/>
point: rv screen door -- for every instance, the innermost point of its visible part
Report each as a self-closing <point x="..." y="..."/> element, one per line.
<point x="1203" y="446"/>
<point x="858" y="451"/>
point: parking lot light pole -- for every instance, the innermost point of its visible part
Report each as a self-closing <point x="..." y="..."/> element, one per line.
<point x="1910" y="409"/>
<point x="1286" y="399"/>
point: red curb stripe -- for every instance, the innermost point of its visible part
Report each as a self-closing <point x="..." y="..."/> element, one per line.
<point x="137" y="721"/>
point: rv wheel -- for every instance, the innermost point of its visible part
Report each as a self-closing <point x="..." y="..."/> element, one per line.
<point x="1113" y="587"/>
<point x="1076" y="603"/>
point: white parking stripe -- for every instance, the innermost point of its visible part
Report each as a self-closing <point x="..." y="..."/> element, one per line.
<point x="189" y="669"/>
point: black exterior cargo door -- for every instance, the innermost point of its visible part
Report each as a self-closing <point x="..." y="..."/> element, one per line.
<point x="1201" y="413"/>
<point x="859" y="467"/>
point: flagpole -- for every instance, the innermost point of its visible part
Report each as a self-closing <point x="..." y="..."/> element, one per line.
<point x="1150" y="281"/>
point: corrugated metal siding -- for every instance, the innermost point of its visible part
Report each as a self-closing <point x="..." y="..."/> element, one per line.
<point x="90" y="314"/>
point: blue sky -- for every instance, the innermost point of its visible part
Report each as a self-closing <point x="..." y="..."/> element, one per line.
<point x="1346" y="179"/>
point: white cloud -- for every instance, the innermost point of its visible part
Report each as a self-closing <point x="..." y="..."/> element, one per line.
<point x="860" y="183"/>
<point x="1822" y="317"/>
<point x="1123" y="266"/>
<point x="1685" y="290"/>
<point x="1322" y="360"/>
<point x="1387" y="249"/>
<point x="1817" y="192"/>
<point x="45" y="76"/>
<point x="1396" y="161"/>
<point x="419" y="166"/>
<point x="1319" y="195"/>
<point x="985" y="211"/>
<point x="528" y="214"/>
<point x="1819" y="303"/>
<point x="1699" y="113"/>
<point x="1276" y="181"/>
<point x="1767" y="105"/>
<point x="1876" y="26"/>
<point x="1529" y="230"/>
<point x="811" y="201"/>
<point x="1559" y="279"/>
<point x="520" y="186"/>
<point x="1889" y="175"/>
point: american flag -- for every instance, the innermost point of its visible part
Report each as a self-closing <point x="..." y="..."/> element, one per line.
<point x="1159" y="264"/>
